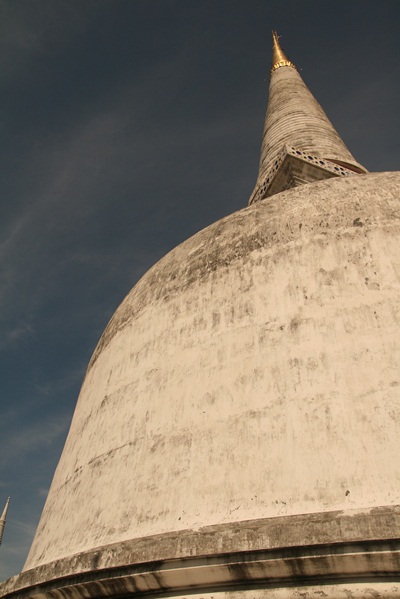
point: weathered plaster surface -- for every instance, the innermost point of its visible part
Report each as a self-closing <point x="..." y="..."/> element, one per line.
<point x="252" y="373"/>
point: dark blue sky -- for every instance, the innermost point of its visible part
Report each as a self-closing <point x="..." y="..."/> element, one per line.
<point x="127" y="126"/>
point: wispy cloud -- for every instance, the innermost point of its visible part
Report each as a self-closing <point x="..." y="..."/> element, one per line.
<point x="76" y="174"/>
<point x="31" y="437"/>
<point x="69" y="379"/>
<point x="27" y="28"/>
<point x="15" y="334"/>
<point x="42" y="492"/>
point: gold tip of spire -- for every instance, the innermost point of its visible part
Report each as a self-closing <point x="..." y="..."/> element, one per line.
<point x="279" y="58"/>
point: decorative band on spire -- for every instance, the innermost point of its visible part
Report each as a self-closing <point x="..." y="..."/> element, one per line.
<point x="279" y="58"/>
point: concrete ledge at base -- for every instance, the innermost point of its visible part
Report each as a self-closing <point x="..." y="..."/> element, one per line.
<point x="294" y="548"/>
<point x="278" y="568"/>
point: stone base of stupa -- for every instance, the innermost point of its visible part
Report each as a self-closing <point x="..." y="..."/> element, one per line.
<point x="351" y="554"/>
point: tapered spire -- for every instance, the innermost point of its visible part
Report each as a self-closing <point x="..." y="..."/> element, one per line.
<point x="3" y="519"/>
<point x="300" y="144"/>
<point x="279" y="58"/>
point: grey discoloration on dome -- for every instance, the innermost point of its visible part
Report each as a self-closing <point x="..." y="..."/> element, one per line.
<point x="280" y="322"/>
<point x="280" y="220"/>
<point x="237" y="429"/>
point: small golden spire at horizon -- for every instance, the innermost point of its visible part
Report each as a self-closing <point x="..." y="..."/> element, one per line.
<point x="279" y="58"/>
<point x="3" y="520"/>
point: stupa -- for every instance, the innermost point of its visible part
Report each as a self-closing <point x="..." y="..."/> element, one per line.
<point x="237" y="431"/>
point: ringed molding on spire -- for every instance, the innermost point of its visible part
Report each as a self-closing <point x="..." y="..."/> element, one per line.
<point x="300" y="144"/>
<point x="279" y="58"/>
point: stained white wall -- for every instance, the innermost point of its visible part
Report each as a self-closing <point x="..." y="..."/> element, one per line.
<point x="252" y="372"/>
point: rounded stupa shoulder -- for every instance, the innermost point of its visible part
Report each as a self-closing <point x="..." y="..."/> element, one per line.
<point x="224" y="396"/>
<point x="292" y="215"/>
<point x="237" y="429"/>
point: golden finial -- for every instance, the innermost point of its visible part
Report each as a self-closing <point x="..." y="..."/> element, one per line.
<point x="279" y="58"/>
